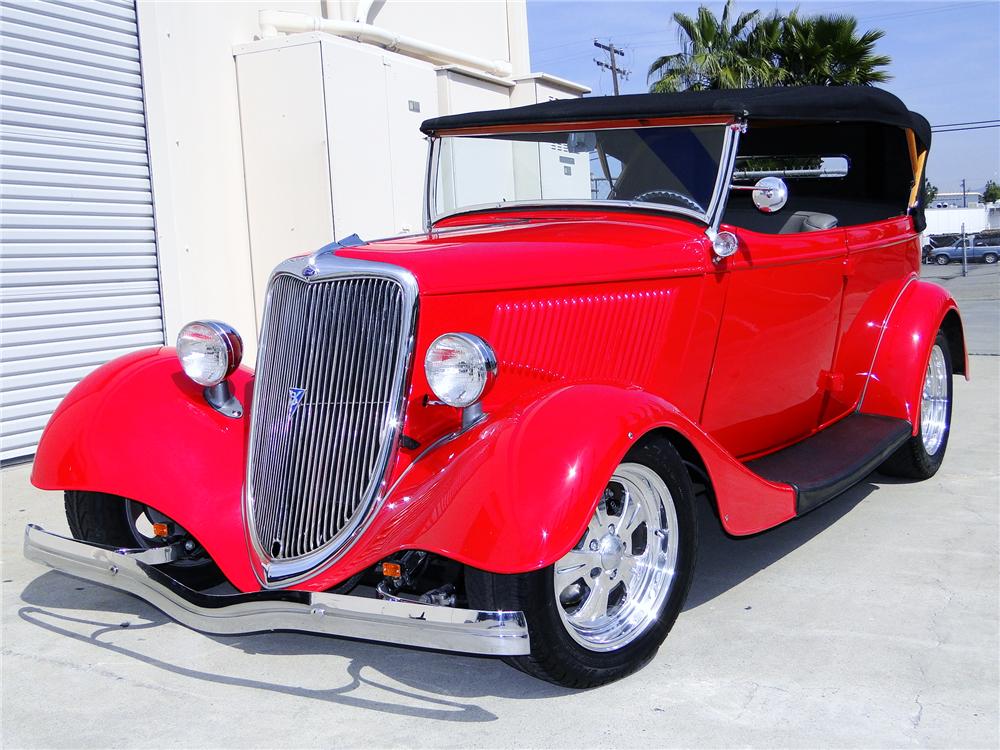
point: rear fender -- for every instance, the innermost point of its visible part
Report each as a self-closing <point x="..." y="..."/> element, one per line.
<point x="138" y="427"/>
<point x="516" y="492"/>
<point x="895" y="380"/>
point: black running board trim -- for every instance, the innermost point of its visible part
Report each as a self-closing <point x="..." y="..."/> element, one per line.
<point x="835" y="459"/>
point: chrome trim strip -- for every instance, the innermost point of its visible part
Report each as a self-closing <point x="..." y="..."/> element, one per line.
<point x="711" y="216"/>
<point x="556" y="203"/>
<point x="878" y="344"/>
<point x="494" y="633"/>
<point x="326" y="266"/>
<point x="430" y="183"/>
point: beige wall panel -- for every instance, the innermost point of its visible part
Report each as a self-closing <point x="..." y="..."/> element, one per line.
<point x="282" y="108"/>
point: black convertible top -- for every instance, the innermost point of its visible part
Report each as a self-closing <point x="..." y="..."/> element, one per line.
<point x="807" y="103"/>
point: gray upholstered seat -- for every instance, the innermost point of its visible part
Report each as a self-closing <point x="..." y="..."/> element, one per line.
<point x="808" y="221"/>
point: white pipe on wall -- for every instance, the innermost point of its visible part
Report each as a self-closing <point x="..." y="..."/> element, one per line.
<point x="273" y="21"/>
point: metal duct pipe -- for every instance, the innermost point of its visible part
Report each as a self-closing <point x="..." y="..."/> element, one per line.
<point x="364" y="8"/>
<point x="274" y="21"/>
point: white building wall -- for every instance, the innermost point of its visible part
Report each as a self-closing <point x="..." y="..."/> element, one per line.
<point x="951" y="220"/>
<point x="194" y="130"/>
<point x="494" y="29"/>
<point x="196" y="157"/>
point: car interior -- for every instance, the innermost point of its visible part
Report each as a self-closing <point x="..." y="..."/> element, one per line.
<point x="876" y="186"/>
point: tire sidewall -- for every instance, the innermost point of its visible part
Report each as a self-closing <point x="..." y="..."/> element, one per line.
<point x="548" y="631"/>
<point x="931" y="463"/>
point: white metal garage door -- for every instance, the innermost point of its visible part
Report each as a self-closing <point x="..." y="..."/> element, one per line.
<point x="78" y="272"/>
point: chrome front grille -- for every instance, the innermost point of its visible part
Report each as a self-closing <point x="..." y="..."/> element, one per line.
<point x="327" y="400"/>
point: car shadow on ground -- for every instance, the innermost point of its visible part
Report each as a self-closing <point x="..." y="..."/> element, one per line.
<point x="413" y="682"/>
<point x="726" y="561"/>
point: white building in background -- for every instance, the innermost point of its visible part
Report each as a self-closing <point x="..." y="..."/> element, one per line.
<point x="974" y="219"/>
<point x="157" y="161"/>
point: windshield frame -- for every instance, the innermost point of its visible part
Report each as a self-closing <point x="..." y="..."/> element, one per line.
<point x="711" y="216"/>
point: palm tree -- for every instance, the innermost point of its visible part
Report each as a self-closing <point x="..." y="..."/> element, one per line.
<point x="768" y="51"/>
<point x="714" y="54"/>
<point x="827" y="51"/>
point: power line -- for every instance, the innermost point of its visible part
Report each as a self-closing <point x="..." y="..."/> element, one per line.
<point x="971" y="122"/>
<point x="973" y="127"/>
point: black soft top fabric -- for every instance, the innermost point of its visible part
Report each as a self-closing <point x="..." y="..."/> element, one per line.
<point x="804" y="103"/>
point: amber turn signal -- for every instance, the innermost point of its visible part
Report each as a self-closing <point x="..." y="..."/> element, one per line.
<point x="160" y="529"/>
<point x="392" y="570"/>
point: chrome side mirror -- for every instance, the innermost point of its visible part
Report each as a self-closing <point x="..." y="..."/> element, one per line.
<point x="770" y="194"/>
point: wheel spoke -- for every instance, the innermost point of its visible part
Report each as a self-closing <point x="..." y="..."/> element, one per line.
<point x="576" y="564"/>
<point x="601" y="517"/>
<point x="596" y="604"/>
<point x="594" y="530"/>
<point x="627" y="566"/>
<point x="633" y="520"/>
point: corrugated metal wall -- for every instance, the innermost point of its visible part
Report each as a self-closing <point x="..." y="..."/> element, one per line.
<point x="78" y="270"/>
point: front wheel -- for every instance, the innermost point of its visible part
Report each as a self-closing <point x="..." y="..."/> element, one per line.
<point x="603" y="609"/>
<point x="920" y="457"/>
<point x="119" y="522"/>
<point x="942" y="260"/>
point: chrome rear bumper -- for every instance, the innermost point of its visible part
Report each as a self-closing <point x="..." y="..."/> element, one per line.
<point x="427" y="626"/>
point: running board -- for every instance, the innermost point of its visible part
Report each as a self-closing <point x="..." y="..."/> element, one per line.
<point x="835" y="459"/>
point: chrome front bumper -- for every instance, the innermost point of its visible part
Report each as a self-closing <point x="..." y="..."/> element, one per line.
<point x="427" y="626"/>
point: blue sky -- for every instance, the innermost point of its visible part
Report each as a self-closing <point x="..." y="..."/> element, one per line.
<point x="946" y="60"/>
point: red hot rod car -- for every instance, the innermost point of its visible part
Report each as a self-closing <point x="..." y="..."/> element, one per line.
<point x="485" y="437"/>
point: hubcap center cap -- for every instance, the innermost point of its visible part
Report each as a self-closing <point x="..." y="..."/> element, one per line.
<point x="612" y="550"/>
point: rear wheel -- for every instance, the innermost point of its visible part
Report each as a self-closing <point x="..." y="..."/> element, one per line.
<point x="603" y="610"/>
<point x="921" y="456"/>
<point x="990" y="258"/>
<point x="942" y="260"/>
<point x="119" y="522"/>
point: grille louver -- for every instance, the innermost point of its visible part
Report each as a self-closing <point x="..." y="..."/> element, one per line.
<point x="327" y="393"/>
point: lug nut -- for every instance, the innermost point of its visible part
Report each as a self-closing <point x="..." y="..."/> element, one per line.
<point x="594" y="545"/>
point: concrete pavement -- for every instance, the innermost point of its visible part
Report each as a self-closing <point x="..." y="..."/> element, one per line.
<point x="871" y="622"/>
<point x="977" y="295"/>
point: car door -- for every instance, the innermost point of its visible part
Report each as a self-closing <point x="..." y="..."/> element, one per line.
<point x="882" y="256"/>
<point x="776" y="342"/>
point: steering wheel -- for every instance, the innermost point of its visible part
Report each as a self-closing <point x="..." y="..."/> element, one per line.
<point x="656" y="195"/>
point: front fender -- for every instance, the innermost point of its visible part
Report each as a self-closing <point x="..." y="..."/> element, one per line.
<point x="515" y="493"/>
<point x="895" y="380"/>
<point x="138" y="427"/>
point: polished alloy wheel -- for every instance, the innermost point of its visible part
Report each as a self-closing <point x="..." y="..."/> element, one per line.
<point x="610" y="587"/>
<point x="934" y="403"/>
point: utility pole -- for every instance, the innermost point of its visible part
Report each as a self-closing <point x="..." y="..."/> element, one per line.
<point x="963" y="194"/>
<point x="612" y="50"/>
<point x="965" y="248"/>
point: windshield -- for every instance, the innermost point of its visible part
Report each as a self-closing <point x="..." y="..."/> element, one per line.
<point x="673" y="168"/>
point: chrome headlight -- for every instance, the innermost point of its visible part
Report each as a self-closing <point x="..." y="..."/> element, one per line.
<point x="460" y="368"/>
<point x="209" y="351"/>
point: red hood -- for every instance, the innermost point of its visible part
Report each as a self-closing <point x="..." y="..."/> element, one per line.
<point x="543" y="251"/>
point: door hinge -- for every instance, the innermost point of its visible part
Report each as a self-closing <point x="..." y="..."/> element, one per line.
<point x="831" y="381"/>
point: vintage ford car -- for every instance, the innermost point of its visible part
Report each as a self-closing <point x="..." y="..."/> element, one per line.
<point x="487" y="437"/>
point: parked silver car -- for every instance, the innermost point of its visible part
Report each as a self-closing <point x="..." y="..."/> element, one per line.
<point x="984" y="249"/>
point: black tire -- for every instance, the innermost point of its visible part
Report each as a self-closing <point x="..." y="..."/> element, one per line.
<point x="911" y="460"/>
<point x="109" y="519"/>
<point x="942" y="260"/>
<point x="990" y="258"/>
<point x="555" y="656"/>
